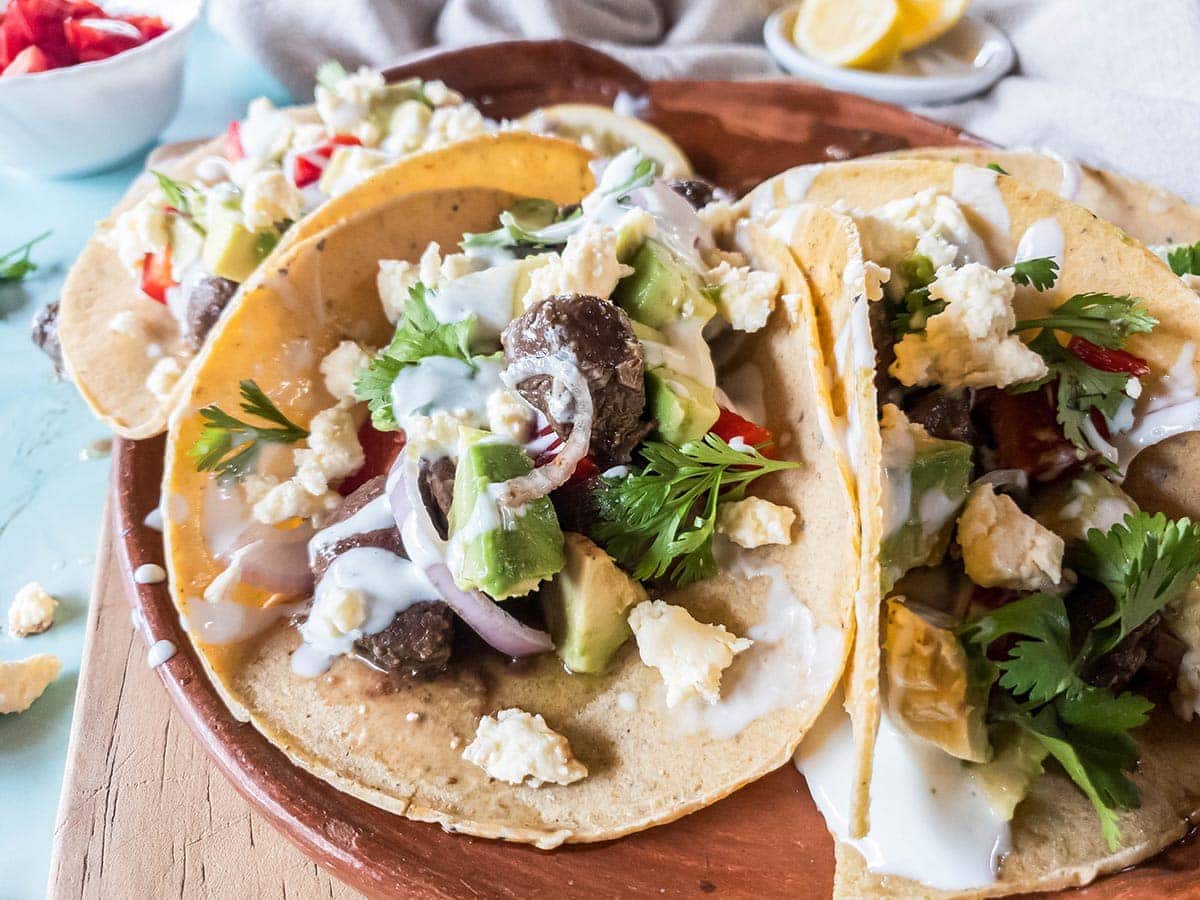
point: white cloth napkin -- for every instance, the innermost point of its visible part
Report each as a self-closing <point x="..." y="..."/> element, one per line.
<point x="1113" y="83"/>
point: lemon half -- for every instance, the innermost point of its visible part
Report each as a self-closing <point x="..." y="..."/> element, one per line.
<point x="607" y="133"/>
<point x="922" y="21"/>
<point x="861" y="34"/>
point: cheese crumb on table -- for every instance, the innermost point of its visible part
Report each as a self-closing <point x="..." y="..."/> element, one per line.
<point x="32" y="611"/>
<point x="689" y="655"/>
<point x="520" y="748"/>
<point x="23" y="681"/>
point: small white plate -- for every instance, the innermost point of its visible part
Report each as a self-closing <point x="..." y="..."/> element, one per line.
<point x="967" y="60"/>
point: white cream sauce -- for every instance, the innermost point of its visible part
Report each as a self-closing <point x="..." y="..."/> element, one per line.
<point x="150" y="574"/>
<point x="930" y="818"/>
<point x="685" y="351"/>
<point x="1072" y="174"/>
<point x="442" y="383"/>
<point x="975" y="190"/>
<point x="487" y="295"/>
<point x="375" y="516"/>
<point x="160" y="653"/>
<point x="388" y="585"/>
<point x="154" y="519"/>
<point x="1169" y="407"/>
<point x="1043" y="239"/>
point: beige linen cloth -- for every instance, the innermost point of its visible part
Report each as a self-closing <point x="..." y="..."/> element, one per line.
<point x="1115" y="83"/>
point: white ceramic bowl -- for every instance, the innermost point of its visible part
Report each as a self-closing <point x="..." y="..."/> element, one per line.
<point x="91" y="116"/>
<point x="966" y="61"/>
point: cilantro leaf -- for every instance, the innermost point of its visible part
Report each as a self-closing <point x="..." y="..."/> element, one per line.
<point x="418" y="335"/>
<point x="1104" y="319"/>
<point x="223" y="434"/>
<point x="659" y="521"/>
<point x="1185" y="259"/>
<point x="179" y="195"/>
<point x="1039" y="274"/>
<point x="996" y="167"/>
<point x="16" y="264"/>
<point x="1102" y="711"/>
<point x="1145" y="562"/>
<point x="916" y="307"/>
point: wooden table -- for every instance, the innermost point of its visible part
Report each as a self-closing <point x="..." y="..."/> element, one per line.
<point x="144" y="813"/>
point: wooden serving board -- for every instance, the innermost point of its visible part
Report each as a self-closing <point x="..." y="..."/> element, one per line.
<point x="150" y="805"/>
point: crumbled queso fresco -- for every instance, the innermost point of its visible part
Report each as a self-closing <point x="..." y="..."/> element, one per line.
<point x="520" y="748"/>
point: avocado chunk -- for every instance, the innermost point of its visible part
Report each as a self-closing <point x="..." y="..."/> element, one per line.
<point x="1073" y="507"/>
<point x="231" y="250"/>
<point x="684" y="408"/>
<point x="925" y="484"/>
<point x="662" y="289"/>
<point x="586" y="606"/>
<point x="186" y="243"/>
<point x="931" y="692"/>
<point x="500" y="551"/>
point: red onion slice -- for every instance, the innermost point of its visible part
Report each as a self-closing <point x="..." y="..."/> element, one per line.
<point x="544" y="479"/>
<point x="485" y="617"/>
<point x="278" y="564"/>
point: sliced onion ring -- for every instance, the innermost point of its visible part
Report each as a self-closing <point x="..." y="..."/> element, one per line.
<point x="278" y="564"/>
<point x="485" y="617"/>
<point x="542" y="480"/>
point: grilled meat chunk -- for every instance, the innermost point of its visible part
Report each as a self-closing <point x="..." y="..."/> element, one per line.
<point x="417" y="643"/>
<point x="43" y="332"/>
<point x="696" y="191"/>
<point x="206" y="300"/>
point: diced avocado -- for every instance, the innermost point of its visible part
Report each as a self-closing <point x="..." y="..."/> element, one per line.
<point x="645" y="333"/>
<point x="684" y="409"/>
<point x="502" y="552"/>
<point x="662" y="289"/>
<point x="186" y="243"/>
<point x="1074" y="506"/>
<point x="230" y="249"/>
<point x="1015" y="765"/>
<point x="934" y="486"/>
<point x="586" y="606"/>
<point x="931" y="692"/>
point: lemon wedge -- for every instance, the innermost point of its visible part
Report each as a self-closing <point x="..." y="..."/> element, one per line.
<point x="922" y="21"/>
<point x="861" y="34"/>
<point x="607" y="133"/>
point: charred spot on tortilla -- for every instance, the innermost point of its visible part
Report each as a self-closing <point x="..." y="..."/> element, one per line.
<point x="597" y="337"/>
<point x="43" y="332"/>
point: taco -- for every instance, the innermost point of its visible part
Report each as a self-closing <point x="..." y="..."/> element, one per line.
<point x="1033" y="408"/>
<point x="546" y="540"/>
<point x="158" y="273"/>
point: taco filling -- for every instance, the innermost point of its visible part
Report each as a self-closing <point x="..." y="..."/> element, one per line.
<point x="1032" y="614"/>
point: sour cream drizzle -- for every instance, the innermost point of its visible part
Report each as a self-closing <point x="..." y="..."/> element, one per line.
<point x="930" y="818"/>
<point x="975" y="190"/>
<point x="442" y="383"/>
<point x="1043" y="239"/>
<point x="1167" y="408"/>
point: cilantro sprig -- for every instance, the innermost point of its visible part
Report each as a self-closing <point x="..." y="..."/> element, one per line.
<point x="1107" y="320"/>
<point x="230" y="446"/>
<point x="16" y="263"/>
<point x="659" y="521"/>
<point x="180" y="196"/>
<point x="418" y="335"/>
<point x="1185" y="259"/>
<point x="1039" y="273"/>
<point x="915" y="309"/>
<point x="1144" y="562"/>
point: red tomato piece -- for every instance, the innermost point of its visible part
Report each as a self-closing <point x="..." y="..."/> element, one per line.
<point x="1027" y="434"/>
<point x="84" y="10"/>
<point x="96" y="39"/>
<point x="156" y="275"/>
<point x="27" y="62"/>
<point x="233" y="142"/>
<point x="305" y="172"/>
<point x="325" y="150"/>
<point x="584" y="469"/>
<point x="14" y="37"/>
<point x="150" y="26"/>
<point x="730" y="425"/>
<point x="380" y="449"/>
<point x="45" y="20"/>
<point x="1108" y="360"/>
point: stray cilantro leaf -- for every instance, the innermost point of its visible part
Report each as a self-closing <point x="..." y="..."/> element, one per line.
<point x="418" y="335"/>
<point x="16" y="264"/>
<point x="266" y="241"/>
<point x="1104" y="319"/>
<point x="916" y="307"/>
<point x="1040" y="273"/>
<point x="179" y="194"/>
<point x="996" y="167"/>
<point x="1145" y="562"/>
<point x="1185" y="259"/>
<point x="712" y="293"/>
<point x="659" y="521"/>
<point x="224" y="434"/>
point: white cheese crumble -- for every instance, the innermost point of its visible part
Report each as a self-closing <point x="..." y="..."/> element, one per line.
<point x="520" y="748"/>
<point x="23" y="681"/>
<point x="1003" y="547"/>
<point x="720" y="218"/>
<point x="588" y="265"/>
<point x="340" y="369"/>
<point x="1185" y="699"/>
<point x="969" y="343"/>
<point x="333" y="450"/>
<point x="346" y="107"/>
<point x="349" y="167"/>
<point x="164" y="376"/>
<point x="126" y="323"/>
<point x="745" y="297"/>
<point x="269" y="199"/>
<point x="689" y="655"/>
<point x="434" y="435"/>
<point x="143" y="229"/>
<point x="508" y="414"/>
<point x="407" y="128"/>
<point x="755" y="522"/>
<point x="449" y="124"/>
<point x="266" y="132"/>
<point x="937" y="221"/>
<point x="32" y="611"/>
<point x="397" y="276"/>
<point x="275" y="501"/>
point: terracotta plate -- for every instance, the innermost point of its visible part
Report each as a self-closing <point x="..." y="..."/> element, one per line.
<point x="765" y="840"/>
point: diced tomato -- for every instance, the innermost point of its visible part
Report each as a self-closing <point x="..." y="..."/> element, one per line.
<point x="305" y="172"/>
<point x="584" y="469"/>
<point x="234" y="150"/>
<point x="150" y="26"/>
<point x="27" y="62"/>
<point x="95" y="39"/>
<point x="1108" y="360"/>
<point x="45" y="20"/>
<point x="14" y="37"/>
<point x="380" y="449"/>
<point x="156" y="275"/>
<point x="1027" y="434"/>
<point x="325" y="150"/>
<point x="83" y="10"/>
<point x="730" y="425"/>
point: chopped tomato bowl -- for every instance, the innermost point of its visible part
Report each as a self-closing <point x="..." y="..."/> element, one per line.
<point x="40" y="35"/>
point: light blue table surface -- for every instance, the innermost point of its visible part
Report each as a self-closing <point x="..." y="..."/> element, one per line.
<point x="50" y="497"/>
